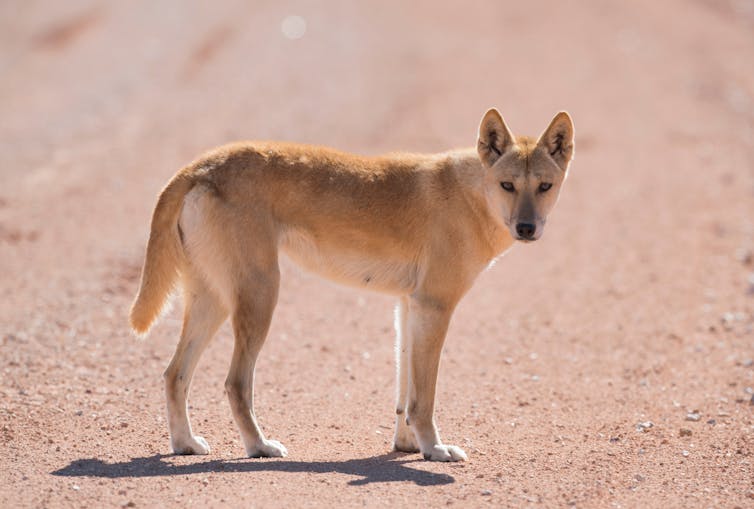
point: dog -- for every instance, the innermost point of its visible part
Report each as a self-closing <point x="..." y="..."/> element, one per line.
<point x="420" y="227"/>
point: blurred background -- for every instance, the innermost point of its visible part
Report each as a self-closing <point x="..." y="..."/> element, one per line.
<point x="636" y="306"/>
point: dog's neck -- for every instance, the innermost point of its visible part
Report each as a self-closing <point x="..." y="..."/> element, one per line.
<point x="471" y="173"/>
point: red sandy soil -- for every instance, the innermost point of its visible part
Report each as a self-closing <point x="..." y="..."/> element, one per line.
<point x="637" y="305"/>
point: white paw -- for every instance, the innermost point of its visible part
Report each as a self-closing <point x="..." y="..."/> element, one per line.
<point x="267" y="449"/>
<point x="404" y="440"/>
<point x="192" y="445"/>
<point x="442" y="452"/>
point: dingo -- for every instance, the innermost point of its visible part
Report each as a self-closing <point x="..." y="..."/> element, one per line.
<point x="421" y="227"/>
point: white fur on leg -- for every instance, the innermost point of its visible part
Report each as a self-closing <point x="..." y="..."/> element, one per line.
<point x="267" y="449"/>
<point x="404" y="439"/>
<point x="441" y="452"/>
<point x="401" y="354"/>
<point x="190" y="445"/>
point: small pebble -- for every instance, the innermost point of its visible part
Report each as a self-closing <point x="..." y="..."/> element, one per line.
<point x="76" y="487"/>
<point x="644" y="426"/>
<point x="685" y="454"/>
<point x="693" y="416"/>
<point x="744" y="256"/>
<point x="639" y="477"/>
<point x="684" y="432"/>
<point x="486" y="493"/>
<point x="712" y="422"/>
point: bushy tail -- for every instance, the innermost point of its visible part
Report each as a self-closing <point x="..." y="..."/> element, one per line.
<point x="164" y="255"/>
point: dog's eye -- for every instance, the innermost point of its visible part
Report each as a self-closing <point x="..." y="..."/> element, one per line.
<point x="544" y="186"/>
<point x="508" y="186"/>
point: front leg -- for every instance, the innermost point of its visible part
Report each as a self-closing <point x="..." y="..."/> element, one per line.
<point x="428" y="320"/>
<point x="404" y="439"/>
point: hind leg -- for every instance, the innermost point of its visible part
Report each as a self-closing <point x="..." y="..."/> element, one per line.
<point x="256" y="299"/>
<point x="404" y="439"/>
<point x="203" y="315"/>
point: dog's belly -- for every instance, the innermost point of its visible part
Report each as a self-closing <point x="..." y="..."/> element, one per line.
<point x="350" y="266"/>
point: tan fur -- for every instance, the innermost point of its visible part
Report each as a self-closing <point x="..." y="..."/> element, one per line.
<point x="164" y="254"/>
<point x="420" y="227"/>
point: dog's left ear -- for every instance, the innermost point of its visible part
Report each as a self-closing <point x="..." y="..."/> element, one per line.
<point x="558" y="139"/>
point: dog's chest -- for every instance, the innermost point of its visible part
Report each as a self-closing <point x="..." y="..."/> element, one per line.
<point x="349" y="264"/>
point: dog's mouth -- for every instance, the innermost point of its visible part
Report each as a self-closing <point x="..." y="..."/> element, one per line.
<point x="527" y="240"/>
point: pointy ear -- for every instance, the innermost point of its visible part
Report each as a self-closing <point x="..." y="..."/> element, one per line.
<point x="494" y="137"/>
<point x="558" y="139"/>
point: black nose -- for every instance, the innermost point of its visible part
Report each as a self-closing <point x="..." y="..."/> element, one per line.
<point x="525" y="230"/>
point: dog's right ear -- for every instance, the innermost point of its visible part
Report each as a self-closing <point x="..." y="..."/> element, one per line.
<point x="494" y="137"/>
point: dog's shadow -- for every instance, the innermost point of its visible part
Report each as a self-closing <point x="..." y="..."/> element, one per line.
<point x="385" y="468"/>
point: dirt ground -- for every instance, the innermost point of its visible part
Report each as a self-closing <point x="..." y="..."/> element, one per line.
<point x="636" y="307"/>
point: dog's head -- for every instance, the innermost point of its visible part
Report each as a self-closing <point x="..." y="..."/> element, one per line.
<point x="524" y="175"/>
